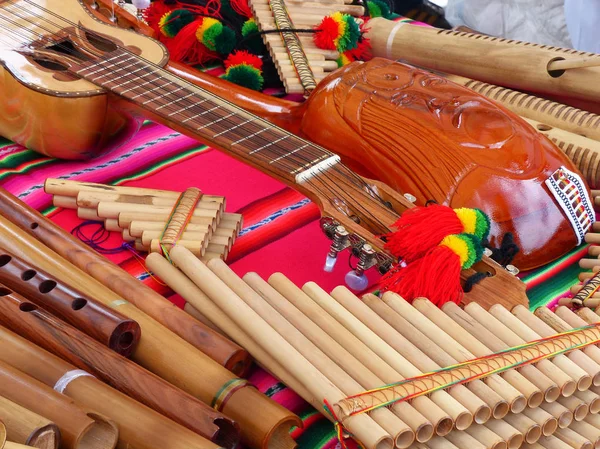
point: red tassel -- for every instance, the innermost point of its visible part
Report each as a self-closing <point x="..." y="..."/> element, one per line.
<point x="326" y="33"/>
<point x="241" y="7"/>
<point x="435" y="276"/>
<point x="184" y="47"/>
<point x="422" y="228"/>
<point x="154" y="13"/>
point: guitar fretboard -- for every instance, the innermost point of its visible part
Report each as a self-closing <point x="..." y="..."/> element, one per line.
<point x="212" y="119"/>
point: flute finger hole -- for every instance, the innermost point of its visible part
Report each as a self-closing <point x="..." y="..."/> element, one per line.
<point x="28" y="274"/>
<point x="33" y="225"/>
<point x="47" y="286"/>
<point x="78" y="303"/>
<point x="554" y="73"/>
<point x="4" y="291"/>
<point x="27" y="307"/>
<point x="4" y="259"/>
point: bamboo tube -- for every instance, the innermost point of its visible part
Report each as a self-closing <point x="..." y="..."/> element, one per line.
<point x="414" y="418"/>
<point x="457" y="412"/>
<point x="548" y="422"/>
<point x="588" y="315"/>
<point x="422" y="311"/>
<point x="112" y="210"/>
<point x="148" y="236"/>
<point x="361" y="426"/>
<point x="137" y="228"/>
<point x="78" y="428"/>
<point x="579" y="408"/>
<point x="487" y="437"/>
<point x="588" y="264"/>
<point x="139" y="221"/>
<point x="88" y="214"/>
<point x="593" y="420"/>
<point x="161" y="351"/>
<point x="529" y="428"/>
<point x="112" y="225"/>
<point x="126" y="236"/>
<point x="573" y="439"/>
<point x="197" y="248"/>
<point x="323" y="340"/>
<point x="559" y="325"/>
<point x="385" y="418"/>
<point x="514" y="439"/>
<point x="581" y="378"/>
<point x="509" y="339"/>
<point x="588" y="431"/>
<point x="480" y="411"/>
<point x="77" y="348"/>
<point x="552" y="442"/>
<point x="115" y="278"/>
<point x="464" y="440"/>
<point x="66" y="202"/>
<point x="100" y="322"/>
<point x="13" y="445"/>
<point x="26" y="427"/>
<point x="384" y="312"/>
<point x="560" y="412"/>
<point x="435" y="443"/>
<point x="592" y="237"/>
<point x="578" y="357"/>
<point x="591" y="398"/>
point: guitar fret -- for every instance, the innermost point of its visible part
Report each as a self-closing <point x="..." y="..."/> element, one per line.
<point x="180" y="99"/>
<point x="277" y="159"/>
<point x="185" y="109"/>
<point x="156" y="98"/>
<point x="134" y="87"/>
<point x="152" y="90"/>
<point x="202" y="113"/>
<point x="251" y="135"/>
<point x="216" y="121"/>
<point x="236" y="126"/>
<point x="96" y="65"/>
<point x="269" y="144"/>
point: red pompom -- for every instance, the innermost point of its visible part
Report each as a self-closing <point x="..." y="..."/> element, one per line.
<point x="241" y="7"/>
<point x="154" y="13"/>
<point x="243" y="57"/>
<point x="421" y="228"/>
<point x="326" y="33"/>
<point x="435" y="276"/>
<point x="185" y="47"/>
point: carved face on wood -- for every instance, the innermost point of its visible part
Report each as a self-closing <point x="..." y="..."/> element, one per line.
<point x="427" y="136"/>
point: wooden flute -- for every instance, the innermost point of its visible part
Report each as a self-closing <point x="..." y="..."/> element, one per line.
<point x="211" y="343"/>
<point x="57" y="337"/>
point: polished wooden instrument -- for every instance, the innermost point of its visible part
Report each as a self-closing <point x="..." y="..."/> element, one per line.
<point x="364" y="209"/>
<point x="300" y="63"/>
<point x="50" y="333"/>
<point x="349" y="342"/>
<point x="159" y="350"/>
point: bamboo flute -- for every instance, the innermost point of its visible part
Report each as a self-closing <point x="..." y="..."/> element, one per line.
<point x="401" y="433"/>
<point x="106" y="325"/>
<point x="560" y="412"/>
<point x="529" y="428"/>
<point x="514" y="439"/>
<point x="114" y="277"/>
<point x="436" y="330"/>
<point x="164" y="353"/>
<point x="71" y="345"/>
<point x="578" y="357"/>
<point x="92" y="199"/>
<point x="355" y="347"/>
<point x="112" y="210"/>
<point x="81" y="429"/>
<point x="26" y="427"/>
<point x="140" y="427"/>
<point x="361" y="426"/>
<point x="397" y="360"/>
<point x="579" y="408"/>
<point x="548" y="422"/>
<point x="380" y="317"/>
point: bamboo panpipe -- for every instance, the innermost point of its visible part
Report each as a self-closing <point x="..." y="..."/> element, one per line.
<point x="26" y="427"/>
<point x="487" y="437"/>
<point x="387" y="420"/>
<point x="348" y="311"/>
<point x="79" y="429"/>
<point x="514" y="439"/>
<point x="530" y="429"/>
<point x="578" y="357"/>
<point x="560" y="412"/>
<point x="498" y="405"/>
<point x="115" y="278"/>
<point x="360" y="352"/>
<point x="59" y="338"/>
<point x="579" y="408"/>
<point x="112" y="210"/>
<point x="159" y="350"/>
<point x="510" y="63"/>
<point x="140" y="427"/>
<point x="125" y="218"/>
<point x="464" y="440"/>
<point x="419" y="315"/>
<point x="100" y="322"/>
<point x="361" y="426"/>
<point x="182" y="285"/>
<point x="137" y="228"/>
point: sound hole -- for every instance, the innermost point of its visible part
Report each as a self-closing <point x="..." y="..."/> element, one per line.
<point x="66" y="47"/>
<point x="27" y="307"/>
<point x="78" y="304"/>
<point x="100" y="42"/>
<point x="4" y="259"/>
<point x="47" y="286"/>
<point x="4" y="291"/>
<point x="28" y="274"/>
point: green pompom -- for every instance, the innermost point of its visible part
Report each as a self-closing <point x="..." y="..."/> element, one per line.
<point x="225" y="42"/>
<point x="377" y="8"/>
<point x="249" y="27"/>
<point x="475" y="249"/>
<point x="252" y="39"/>
<point x="172" y="22"/>
<point x="482" y="225"/>
<point x="352" y="34"/>
<point x="245" y="75"/>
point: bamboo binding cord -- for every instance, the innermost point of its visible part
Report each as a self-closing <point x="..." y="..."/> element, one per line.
<point x="364" y="428"/>
<point x="78" y="428"/>
<point x="26" y="427"/>
<point x="114" y="278"/>
<point x="57" y="337"/>
<point x="139" y="426"/>
<point x="159" y="350"/>
<point x="102" y="323"/>
<point x="516" y="64"/>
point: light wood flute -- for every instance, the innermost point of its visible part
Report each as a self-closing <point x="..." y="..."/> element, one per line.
<point x="26" y="427"/>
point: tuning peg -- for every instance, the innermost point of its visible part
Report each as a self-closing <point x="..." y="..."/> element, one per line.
<point x="340" y="242"/>
<point x="357" y="280"/>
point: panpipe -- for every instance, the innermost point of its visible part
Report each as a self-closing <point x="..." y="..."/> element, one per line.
<point x="325" y="345"/>
<point x="299" y="62"/>
<point x="159" y="350"/>
<point x="48" y="332"/>
<point x="26" y="427"/>
<point x="113" y="277"/>
<point x="141" y="215"/>
<point x="5" y="443"/>
<point x="554" y="71"/>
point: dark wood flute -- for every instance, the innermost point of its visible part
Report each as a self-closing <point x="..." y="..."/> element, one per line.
<point x="106" y="325"/>
<point x="80" y="429"/>
<point x="65" y="341"/>
<point x="216" y="346"/>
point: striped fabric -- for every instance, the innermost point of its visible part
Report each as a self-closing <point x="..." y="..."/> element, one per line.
<point x="160" y="158"/>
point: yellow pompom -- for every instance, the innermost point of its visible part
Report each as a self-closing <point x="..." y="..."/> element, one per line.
<point x="468" y="217"/>
<point x="207" y="22"/>
<point x="458" y="246"/>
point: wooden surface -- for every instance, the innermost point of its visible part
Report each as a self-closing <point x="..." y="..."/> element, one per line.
<point x="26" y="427"/>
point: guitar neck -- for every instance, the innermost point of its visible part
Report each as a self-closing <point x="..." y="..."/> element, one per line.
<point x="207" y="117"/>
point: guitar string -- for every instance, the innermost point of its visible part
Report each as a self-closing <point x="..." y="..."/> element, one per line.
<point x="323" y="172"/>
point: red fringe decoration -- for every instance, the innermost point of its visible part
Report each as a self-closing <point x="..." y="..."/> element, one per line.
<point x="435" y="276"/>
<point x="241" y="7"/>
<point x="421" y="228"/>
<point x="243" y="57"/>
<point x="326" y="32"/>
<point x="186" y="48"/>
